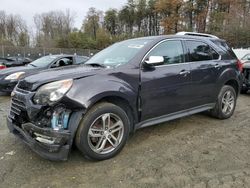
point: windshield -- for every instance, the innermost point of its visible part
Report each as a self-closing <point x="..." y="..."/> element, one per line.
<point x="43" y="61"/>
<point x="119" y="53"/>
<point x="246" y="57"/>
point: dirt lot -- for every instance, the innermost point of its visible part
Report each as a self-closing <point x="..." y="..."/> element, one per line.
<point x="196" y="151"/>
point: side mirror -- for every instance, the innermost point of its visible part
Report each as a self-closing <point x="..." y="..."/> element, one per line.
<point x="155" y="60"/>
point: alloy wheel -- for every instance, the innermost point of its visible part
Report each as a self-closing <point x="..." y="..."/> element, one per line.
<point x="228" y="101"/>
<point x="105" y="133"/>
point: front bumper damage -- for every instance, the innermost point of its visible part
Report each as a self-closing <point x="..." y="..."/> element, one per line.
<point x="27" y="121"/>
<point x="58" y="150"/>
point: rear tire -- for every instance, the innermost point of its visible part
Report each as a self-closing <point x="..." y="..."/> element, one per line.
<point x="103" y="131"/>
<point x="226" y="103"/>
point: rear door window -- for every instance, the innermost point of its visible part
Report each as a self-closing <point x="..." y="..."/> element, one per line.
<point x="200" y="51"/>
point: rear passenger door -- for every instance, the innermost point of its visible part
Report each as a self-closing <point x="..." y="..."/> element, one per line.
<point x="205" y="70"/>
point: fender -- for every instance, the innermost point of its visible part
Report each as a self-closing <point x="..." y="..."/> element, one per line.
<point x="86" y="92"/>
<point x="227" y="75"/>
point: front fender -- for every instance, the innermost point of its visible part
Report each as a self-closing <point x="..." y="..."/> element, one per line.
<point x="88" y="91"/>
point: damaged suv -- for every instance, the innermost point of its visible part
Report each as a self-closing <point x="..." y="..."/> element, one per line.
<point x="129" y="85"/>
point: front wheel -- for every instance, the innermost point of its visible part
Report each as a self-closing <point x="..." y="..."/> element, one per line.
<point x="226" y="103"/>
<point x="103" y="132"/>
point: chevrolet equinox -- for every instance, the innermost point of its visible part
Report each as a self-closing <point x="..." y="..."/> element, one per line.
<point x="130" y="85"/>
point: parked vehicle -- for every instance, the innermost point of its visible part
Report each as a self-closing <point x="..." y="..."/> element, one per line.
<point x="246" y="77"/>
<point x="10" y="77"/>
<point x="129" y="85"/>
<point x="2" y="66"/>
<point x="15" y="61"/>
<point x="246" y="58"/>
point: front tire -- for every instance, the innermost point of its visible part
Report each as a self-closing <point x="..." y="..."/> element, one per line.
<point x="226" y="103"/>
<point x="103" y="131"/>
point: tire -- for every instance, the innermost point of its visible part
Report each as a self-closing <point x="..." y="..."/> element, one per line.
<point x="93" y="140"/>
<point x="219" y="110"/>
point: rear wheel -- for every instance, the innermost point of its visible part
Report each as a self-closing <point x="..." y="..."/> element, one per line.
<point x="103" y="132"/>
<point x="225" y="104"/>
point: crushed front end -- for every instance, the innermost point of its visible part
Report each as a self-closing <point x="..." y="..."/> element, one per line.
<point x="47" y="129"/>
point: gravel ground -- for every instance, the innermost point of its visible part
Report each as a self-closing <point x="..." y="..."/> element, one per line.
<point x="196" y="151"/>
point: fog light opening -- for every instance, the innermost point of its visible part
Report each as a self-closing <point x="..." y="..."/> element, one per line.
<point x="44" y="139"/>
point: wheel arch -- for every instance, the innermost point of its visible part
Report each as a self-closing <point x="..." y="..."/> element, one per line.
<point x="234" y="83"/>
<point x="121" y="101"/>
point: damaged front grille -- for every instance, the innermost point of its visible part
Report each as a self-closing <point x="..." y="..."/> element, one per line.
<point x="23" y="85"/>
<point x="18" y="103"/>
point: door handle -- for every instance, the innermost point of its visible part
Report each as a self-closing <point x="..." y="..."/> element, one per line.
<point x="217" y="66"/>
<point x="184" y="72"/>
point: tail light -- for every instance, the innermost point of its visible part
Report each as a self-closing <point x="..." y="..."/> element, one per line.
<point x="240" y="66"/>
<point x="2" y="67"/>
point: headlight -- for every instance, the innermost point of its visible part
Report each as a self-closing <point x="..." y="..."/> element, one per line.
<point x="15" y="76"/>
<point x="52" y="92"/>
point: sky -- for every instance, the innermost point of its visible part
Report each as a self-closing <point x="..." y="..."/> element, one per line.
<point x="28" y="8"/>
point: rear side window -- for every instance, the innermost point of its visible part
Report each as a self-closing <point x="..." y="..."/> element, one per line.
<point x="200" y="51"/>
<point x="171" y="51"/>
<point x="223" y="45"/>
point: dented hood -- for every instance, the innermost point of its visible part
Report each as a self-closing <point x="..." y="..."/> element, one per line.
<point x="71" y="72"/>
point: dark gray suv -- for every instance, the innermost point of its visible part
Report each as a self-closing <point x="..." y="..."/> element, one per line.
<point x="129" y="85"/>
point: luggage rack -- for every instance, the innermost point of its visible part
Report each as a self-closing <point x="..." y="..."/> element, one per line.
<point x="197" y="34"/>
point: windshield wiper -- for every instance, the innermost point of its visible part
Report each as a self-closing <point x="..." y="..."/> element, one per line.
<point x="32" y="65"/>
<point x="96" y="65"/>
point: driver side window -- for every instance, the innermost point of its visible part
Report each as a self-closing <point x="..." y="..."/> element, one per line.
<point x="171" y="51"/>
<point x="62" y="62"/>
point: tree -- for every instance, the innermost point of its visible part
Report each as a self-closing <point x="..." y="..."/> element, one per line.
<point x="52" y="26"/>
<point x="111" y="21"/>
<point x="92" y="22"/>
<point x="170" y="13"/>
<point x="127" y="17"/>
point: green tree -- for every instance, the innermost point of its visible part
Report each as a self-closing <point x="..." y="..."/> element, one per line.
<point x="91" y="22"/>
<point x="111" y="21"/>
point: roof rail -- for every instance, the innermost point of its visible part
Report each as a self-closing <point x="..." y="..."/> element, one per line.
<point x="197" y="34"/>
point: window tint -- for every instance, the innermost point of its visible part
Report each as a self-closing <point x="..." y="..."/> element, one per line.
<point x="199" y="51"/>
<point x="80" y="60"/>
<point x="171" y="51"/>
<point x="223" y="45"/>
<point x="215" y="55"/>
<point x="63" y="62"/>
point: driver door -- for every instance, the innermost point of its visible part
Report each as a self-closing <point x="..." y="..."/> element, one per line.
<point x="165" y="89"/>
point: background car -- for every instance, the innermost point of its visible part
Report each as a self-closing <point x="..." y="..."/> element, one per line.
<point x="246" y="58"/>
<point x="246" y="77"/>
<point x="10" y="77"/>
<point x="15" y="61"/>
<point x="2" y="66"/>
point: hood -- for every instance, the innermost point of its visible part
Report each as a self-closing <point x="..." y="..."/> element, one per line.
<point x="73" y="72"/>
<point x="8" y="71"/>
